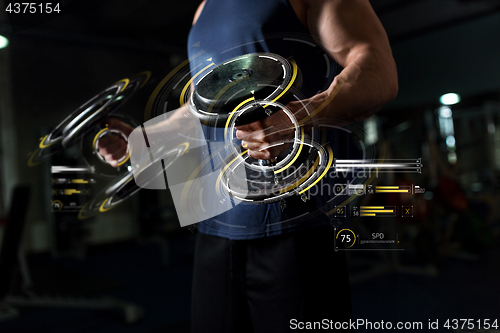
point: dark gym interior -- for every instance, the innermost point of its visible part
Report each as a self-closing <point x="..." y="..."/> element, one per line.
<point x="130" y="269"/>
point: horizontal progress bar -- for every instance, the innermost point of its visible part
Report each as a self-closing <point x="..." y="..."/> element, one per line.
<point x="389" y="191"/>
<point x="79" y="181"/>
<point x="397" y="160"/>
<point x="377" y="211"/>
<point x="375" y="165"/>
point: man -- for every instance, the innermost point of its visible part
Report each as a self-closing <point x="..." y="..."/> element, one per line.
<point x="254" y="272"/>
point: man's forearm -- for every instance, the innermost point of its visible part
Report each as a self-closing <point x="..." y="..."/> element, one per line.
<point x="368" y="83"/>
<point x="360" y="90"/>
<point x="350" y="32"/>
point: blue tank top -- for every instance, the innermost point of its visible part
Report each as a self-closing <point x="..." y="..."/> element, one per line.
<point x="230" y="28"/>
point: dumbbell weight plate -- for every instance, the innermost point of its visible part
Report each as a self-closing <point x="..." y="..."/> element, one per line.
<point x="255" y="76"/>
<point x="53" y="142"/>
<point x="86" y="116"/>
<point x="124" y="186"/>
<point x="101" y="106"/>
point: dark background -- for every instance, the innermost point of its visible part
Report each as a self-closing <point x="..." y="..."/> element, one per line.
<point x="138" y="252"/>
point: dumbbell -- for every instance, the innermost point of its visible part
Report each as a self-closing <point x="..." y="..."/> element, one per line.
<point x="86" y="126"/>
<point x="250" y="88"/>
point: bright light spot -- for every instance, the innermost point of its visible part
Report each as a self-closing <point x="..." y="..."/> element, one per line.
<point x="445" y="112"/>
<point x="450" y="141"/>
<point x="129" y="168"/>
<point x="3" y="42"/>
<point x="449" y="99"/>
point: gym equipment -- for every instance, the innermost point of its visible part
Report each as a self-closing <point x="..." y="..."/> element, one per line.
<point x="86" y="126"/>
<point x="90" y="114"/>
<point x="123" y="186"/>
<point x="246" y="89"/>
<point x="229" y="86"/>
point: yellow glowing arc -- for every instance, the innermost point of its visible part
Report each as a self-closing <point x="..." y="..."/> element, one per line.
<point x="53" y="202"/>
<point x="148" y="76"/>
<point x="224" y="169"/>
<point x="80" y="216"/>
<point x="184" y="90"/>
<point x="294" y="76"/>
<point x="95" y="139"/>
<point x="42" y="144"/>
<point x="127" y="81"/>
<point x="330" y="160"/>
<point x="231" y="114"/>
<point x="337" y="236"/>
<point x="125" y="160"/>
<point x="296" y="155"/>
<point x="156" y="91"/>
<point x="102" y="209"/>
<point x="97" y="135"/>
<point x="303" y="179"/>
<point x="30" y="160"/>
<point x="186" y="147"/>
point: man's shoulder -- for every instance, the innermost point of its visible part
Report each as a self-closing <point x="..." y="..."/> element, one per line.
<point x="198" y="11"/>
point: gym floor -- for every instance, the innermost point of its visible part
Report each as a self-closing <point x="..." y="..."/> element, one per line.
<point x="134" y="272"/>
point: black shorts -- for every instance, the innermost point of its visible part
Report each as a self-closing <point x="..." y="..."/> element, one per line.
<point x="269" y="284"/>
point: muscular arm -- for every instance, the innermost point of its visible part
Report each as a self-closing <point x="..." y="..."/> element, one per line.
<point x="351" y="33"/>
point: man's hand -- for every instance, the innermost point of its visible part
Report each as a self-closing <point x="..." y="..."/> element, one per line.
<point x="267" y="138"/>
<point x="113" y="147"/>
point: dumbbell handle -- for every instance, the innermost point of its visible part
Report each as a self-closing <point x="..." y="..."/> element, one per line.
<point x="268" y="163"/>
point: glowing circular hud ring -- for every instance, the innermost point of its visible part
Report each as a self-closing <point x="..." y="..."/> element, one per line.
<point x="296" y="142"/>
<point x="294" y="180"/>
